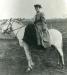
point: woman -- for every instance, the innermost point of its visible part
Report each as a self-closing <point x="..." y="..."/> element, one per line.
<point x="39" y="22"/>
<point x="41" y="27"/>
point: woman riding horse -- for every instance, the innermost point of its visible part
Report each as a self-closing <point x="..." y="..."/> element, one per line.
<point x="41" y="28"/>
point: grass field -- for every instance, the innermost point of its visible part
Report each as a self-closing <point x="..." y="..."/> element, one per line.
<point x="13" y="60"/>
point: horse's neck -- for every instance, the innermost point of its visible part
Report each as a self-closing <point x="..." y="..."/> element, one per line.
<point x="16" y="27"/>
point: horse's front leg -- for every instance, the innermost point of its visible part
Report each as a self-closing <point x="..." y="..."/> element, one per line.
<point x="28" y="54"/>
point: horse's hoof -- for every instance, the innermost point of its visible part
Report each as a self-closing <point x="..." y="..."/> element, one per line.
<point x="62" y="67"/>
<point x="29" y="69"/>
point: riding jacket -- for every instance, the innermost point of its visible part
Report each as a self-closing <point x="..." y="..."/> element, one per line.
<point x="41" y="28"/>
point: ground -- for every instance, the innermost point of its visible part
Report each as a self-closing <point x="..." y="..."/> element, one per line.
<point x="13" y="60"/>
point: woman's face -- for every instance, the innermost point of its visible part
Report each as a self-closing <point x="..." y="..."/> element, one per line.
<point x="37" y="9"/>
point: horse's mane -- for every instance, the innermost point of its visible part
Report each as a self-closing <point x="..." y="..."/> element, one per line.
<point x="19" y="21"/>
<point x="16" y="20"/>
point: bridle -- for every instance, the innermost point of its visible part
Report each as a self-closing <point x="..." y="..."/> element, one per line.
<point x="10" y="26"/>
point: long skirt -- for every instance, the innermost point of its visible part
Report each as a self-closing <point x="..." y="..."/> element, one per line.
<point x="43" y="37"/>
<point x="36" y="36"/>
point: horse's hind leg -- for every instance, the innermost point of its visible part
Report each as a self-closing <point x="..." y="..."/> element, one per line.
<point x="28" y="55"/>
<point x="61" y="56"/>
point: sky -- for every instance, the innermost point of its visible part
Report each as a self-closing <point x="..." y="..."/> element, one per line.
<point x="25" y="9"/>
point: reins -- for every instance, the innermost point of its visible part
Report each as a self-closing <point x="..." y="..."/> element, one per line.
<point x="16" y="28"/>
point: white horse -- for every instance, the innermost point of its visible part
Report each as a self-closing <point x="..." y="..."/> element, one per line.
<point x="19" y="30"/>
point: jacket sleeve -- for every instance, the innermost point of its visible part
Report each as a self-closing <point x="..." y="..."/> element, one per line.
<point x="43" y="21"/>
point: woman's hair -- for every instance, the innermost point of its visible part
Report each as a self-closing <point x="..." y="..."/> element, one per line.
<point x="37" y="5"/>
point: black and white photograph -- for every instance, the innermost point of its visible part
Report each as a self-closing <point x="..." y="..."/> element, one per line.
<point x="33" y="37"/>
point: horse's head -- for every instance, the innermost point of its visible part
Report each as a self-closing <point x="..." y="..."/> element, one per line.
<point x="6" y="28"/>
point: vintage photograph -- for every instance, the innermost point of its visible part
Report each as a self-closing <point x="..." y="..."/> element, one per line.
<point x="33" y="35"/>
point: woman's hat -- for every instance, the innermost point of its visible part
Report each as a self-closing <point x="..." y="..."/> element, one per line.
<point x="37" y="5"/>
